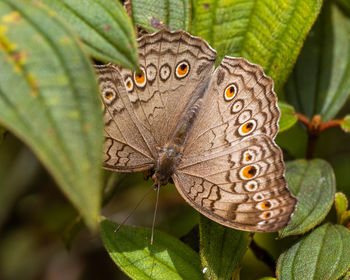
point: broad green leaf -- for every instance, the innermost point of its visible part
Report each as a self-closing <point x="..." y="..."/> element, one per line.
<point x="313" y="184"/>
<point x="49" y="99"/>
<point x="288" y="117"/>
<point x="341" y="204"/>
<point x="104" y="27"/>
<point x="167" y="258"/>
<point x="322" y="254"/>
<point x="267" y="32"/>
<point x="18" y="167"/>
<point x="345" y="125"/>
<point x="156" y="14"/>
<point x="221" y="249"/>
<point x="320" y="81"/>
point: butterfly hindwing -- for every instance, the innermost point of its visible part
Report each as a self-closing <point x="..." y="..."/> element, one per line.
<point x="242" y="187"/>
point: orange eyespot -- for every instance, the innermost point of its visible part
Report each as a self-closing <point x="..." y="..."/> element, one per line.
<point x="108" y="95"/>
<point x="267" y="215"/>
<point x="249" y="172"/>
<point x="248" y="157"/>
<point x="247" y="127"/>
<point x="265" y="205"/>
<point x="182" y="69"/>
<point x="251" y="186"/>
<point x="129" y="84"/>
<point x="140" y="78"/>
<point x="230" y="92"/>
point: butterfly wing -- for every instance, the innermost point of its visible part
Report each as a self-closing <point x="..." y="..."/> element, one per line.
<point x="231" y="170"/>
<point x="128" y="147"/>
<point x="176" y="69"/>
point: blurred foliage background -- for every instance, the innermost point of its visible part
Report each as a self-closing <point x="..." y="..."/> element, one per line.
<point x="42" y="235"/>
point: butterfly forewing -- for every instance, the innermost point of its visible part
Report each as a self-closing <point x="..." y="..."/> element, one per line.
<point x="128" y="147"/>
<point x="175" y="69"/>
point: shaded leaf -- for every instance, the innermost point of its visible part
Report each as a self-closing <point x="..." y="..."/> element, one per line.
<point x="104" y="27"/>
<point x="320" y="81"/>
<point x="14" y="157"/>
<point x="167" y="258"/>
<point x="345" y="125"/>
<point x="2" y="134"/>
<point x="49" y="99"/>
<point x="288" y="117"/>
<point x="313" y="183"/>
<point x="341" y="204"/>
<point x="267" y="32"/>
<point x="330" y="246"/>
<point x="221" y="248"/>
<point x="153" y="15"/>
<point x="344" y="4"/>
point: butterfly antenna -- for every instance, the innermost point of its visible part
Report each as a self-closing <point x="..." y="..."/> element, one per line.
<point x="155" y="213"/>
<point x="133" y="211"/>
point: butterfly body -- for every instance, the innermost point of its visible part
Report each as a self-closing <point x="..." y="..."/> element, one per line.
<point x="170" y="156"/>
<point x="212" y="132"/>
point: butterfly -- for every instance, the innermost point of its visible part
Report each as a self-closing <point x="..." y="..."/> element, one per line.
<point x="211" y="132"/>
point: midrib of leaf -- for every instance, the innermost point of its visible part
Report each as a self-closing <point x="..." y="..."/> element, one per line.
<point x="319" y="66"/>
<point x="339" y="252"/>
<point x="319" y="251"/>
<point x="74" y="94"/>
<point x="92" y="28"/>
<point x="167" y="12"/>
<point x="148" y="254"/>
<point x="294" y="258"/>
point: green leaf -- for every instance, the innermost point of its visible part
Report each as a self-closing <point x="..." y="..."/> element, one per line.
<point x="345" y="218"/>
<point x="49" y="99"/>
<point x="288" y="117"/>
<point x="167" y="258"/>
<point x="341" y="204"/>
<point x="322" y="254"/>
<point x="320" y="81"/>
<point x="268" y="278"/>
<point x="267" y="32"/>
<point x="345" y="124"/>
<point x="104" y="27"/>
<point x="313" y="183"/>
<point x="152" y="15"/>
<point x="221" y="249"/>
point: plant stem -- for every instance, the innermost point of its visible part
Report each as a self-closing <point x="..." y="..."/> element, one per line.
<point x="262" y="255"/>
<point x="311" y="143"/>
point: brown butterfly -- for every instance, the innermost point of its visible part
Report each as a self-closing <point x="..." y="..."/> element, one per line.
<point x="211" y="132"/>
